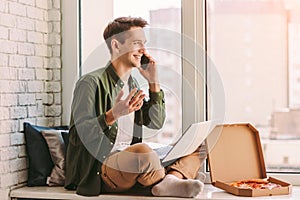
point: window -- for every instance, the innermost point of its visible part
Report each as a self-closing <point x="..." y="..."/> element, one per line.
<point x="255" y="46"/>
<point x="164" y="18"/>
<point x="256" y="50"/>
<point x="163" y="43"/>
<point x="83" y="43"/>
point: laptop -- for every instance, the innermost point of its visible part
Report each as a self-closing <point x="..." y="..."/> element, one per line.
<point x="191" y="139"/>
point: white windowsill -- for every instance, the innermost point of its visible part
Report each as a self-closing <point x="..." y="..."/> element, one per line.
<point x="209" y="192"/>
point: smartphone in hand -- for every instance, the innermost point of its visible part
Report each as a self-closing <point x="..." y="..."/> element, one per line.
<point x="144" y="61"/>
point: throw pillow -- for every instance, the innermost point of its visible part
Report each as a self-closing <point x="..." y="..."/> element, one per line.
<point x="57" y="150"/>
<point x="39" y="158"/>
<point x="65" y="136"/>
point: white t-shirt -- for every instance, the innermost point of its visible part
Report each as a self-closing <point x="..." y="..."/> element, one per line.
<point x="125" y="126"/>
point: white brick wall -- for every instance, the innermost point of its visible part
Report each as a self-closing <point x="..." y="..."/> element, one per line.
<point x="35" y="37"/>
<point x="4" y="140"/>
<point x="26" y="74"/>
<point x="25" y="23"/>
<point x="3" y="33"/>
<point x="8" y="47"/>
<point x="28" y="2"/>
<point x="53" y="15"/>
<point x="4" y="113"/>
<point x="17" y="9"/>
<point x="7" y="100"/>
<point x="56" y="4"/>
<point x="26" y="99"/>
<point x="4" y="59"/>
<point x="35" y="86"/>
<point x="53" y="63"/>
<point x="8" y="126"/>
<point x="7" y="20"/>
<point x="9" y="153"/>
<point x="46" y="98"/>
<point x="45" y="4"/>
<point x="43" y="50"/>
<point x="4" y="193"/>
<point x="35" y="61"/>
<point x="35" y="13"/>
<point x="30" y="79"/>
<point x="26" y="49"/>
<point x="17" y="61"/>
<point x="43" y="74"/>
<point x="3" y="6"/>
<point x="4" y="167"/>
<point x="17" y="35"/>
<point x="8" y="73"/>
<point x="41" y="26"/>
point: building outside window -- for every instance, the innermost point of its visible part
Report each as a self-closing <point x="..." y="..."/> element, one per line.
<point x="255" y="47"/>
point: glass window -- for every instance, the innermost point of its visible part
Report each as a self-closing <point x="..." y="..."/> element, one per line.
<point x="163" y="44"/>
<point x="164" y="18"/>
<point x="255" y="47"/>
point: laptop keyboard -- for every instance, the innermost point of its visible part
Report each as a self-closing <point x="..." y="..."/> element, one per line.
<point x="163" y="151"/>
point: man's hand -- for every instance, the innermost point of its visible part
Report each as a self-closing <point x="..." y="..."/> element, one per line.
<point x="133" y="102"/>
<point x="150" y="74"/>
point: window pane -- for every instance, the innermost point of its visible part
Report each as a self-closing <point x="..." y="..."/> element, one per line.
<point x="94" y="16"/>
<point x="164" y="18"/>
<point x="255" y="47"/>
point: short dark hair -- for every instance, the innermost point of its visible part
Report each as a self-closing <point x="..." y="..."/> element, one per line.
<point x="120" y="25"/>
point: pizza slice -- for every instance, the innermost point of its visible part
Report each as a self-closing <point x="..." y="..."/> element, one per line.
<point x="255" y="184"/>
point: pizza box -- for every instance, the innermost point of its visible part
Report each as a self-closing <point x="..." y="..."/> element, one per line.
<point x="235" y="154"/>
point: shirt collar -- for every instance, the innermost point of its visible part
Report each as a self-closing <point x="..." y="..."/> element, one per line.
<point x="116" y="79"/>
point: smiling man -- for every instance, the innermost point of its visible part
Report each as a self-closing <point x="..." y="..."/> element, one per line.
<point x="105" y="151"/>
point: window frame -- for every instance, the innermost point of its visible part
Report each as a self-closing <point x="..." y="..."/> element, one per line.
<point x="69" y="54"/>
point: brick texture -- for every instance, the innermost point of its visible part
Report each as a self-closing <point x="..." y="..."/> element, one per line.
<point x="30" y="81"/>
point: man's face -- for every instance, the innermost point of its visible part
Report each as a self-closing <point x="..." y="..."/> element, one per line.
<point x="133" y="48"/>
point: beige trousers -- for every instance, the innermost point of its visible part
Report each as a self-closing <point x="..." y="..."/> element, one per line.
<point x="139" y="163"/>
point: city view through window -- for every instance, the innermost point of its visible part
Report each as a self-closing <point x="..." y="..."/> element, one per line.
<point x="165" y="15"/>
<point x="255" y="45"/>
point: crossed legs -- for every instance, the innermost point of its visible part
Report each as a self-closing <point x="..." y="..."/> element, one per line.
<point x="139" y="163"/>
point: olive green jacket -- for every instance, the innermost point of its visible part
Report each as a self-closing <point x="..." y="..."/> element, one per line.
<point x="90" y="138"/>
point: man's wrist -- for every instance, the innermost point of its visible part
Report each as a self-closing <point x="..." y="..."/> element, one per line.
<point x="154" y="87"/>
<point x="109" y="117"/>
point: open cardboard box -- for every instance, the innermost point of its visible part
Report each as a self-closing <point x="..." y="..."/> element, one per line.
<point x="235" y="154"/>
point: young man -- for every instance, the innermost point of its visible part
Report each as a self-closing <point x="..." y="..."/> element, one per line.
<point x="105" y="151"/>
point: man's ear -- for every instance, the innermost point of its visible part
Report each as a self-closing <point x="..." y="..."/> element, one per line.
<point x="115" y="45"/>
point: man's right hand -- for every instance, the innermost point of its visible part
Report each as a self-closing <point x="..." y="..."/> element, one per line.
<point x="133" y="102"/>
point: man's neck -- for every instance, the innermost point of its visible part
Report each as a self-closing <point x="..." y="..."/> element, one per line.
<point x="122" y="70"/>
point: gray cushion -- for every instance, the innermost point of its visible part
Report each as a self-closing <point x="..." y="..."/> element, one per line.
<point x="57" y="151"/>
<point x="39" y="158"/>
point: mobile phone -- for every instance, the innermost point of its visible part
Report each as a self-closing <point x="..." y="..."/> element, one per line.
<point x="144" y="61"/>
